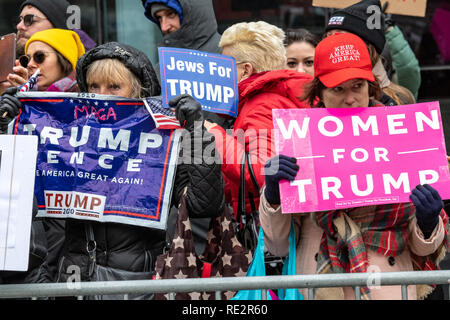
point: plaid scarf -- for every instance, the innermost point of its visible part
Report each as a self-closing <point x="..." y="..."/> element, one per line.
<point x="348" y="234"/>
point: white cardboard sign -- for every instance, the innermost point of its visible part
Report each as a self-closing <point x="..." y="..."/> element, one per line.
<point x="17" y="173"/>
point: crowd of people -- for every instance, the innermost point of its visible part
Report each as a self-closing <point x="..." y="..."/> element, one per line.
<point x="276" y="69"/>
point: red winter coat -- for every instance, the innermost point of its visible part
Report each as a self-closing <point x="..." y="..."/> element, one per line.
<point x="258" y="95"/>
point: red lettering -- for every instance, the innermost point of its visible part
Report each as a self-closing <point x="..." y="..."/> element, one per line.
<point x="68" y="200"/>
<point x="80" y="203"/>
<point x="58" y="200"/>
<point x="95" y="202"/>
<point x="94" y="111"/>
<point x="49" y="195"/>
<point x="99" y="114"/>
<point x="84" y="109"/>
<point x="101" y="117"/>
<point x="111" y="113"/>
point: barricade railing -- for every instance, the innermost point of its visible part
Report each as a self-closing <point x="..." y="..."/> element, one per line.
<point x="219" y="285"/>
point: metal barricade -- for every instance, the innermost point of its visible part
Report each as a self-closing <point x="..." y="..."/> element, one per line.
<point x="219" y="285"/>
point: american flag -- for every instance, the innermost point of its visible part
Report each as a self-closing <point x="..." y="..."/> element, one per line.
<point x="29" y="85"/>
<point x="164" y="118"/>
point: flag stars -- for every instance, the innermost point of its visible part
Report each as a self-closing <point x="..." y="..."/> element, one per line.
<point x="226" y="224"/>
<point x="191" y="260"/>
<point x="169" y="261"/>
<point x="187" y="225"/>
<point x="226" y="259"/>
<point x="178" y="242"/>
<point x="180" y="275"/>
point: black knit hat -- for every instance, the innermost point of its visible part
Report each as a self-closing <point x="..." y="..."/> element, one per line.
<point x="54" y="10"/>
<point x="135" y="60"/>
<point x="354" y="19"/>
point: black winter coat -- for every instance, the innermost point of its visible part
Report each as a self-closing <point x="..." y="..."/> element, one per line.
<point x="126" y="247"/>
<point x="133" y="248"/>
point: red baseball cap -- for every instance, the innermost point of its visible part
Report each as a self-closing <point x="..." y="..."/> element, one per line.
<point x="342" y="57"/>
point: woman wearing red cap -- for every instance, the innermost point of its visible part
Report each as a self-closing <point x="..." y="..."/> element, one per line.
<point x="384" y="238"/>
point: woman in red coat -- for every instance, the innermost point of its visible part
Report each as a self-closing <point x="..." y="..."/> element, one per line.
<point x="260" y="55"/>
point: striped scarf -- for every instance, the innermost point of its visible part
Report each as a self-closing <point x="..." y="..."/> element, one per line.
<point x="383" y="228"/>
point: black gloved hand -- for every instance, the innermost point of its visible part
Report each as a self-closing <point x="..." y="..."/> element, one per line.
<point x="187" y="110"/>
<point x="428" y="205"/>
<point x="388" y="21"/>
<point x="9" y="108"/>
<point x="275" y="169"/>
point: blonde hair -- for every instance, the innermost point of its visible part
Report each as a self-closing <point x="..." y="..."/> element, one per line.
<point x="113" y="71"/>
<point x="259" y="43"/>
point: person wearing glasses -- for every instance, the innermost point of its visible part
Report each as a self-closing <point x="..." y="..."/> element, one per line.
<point x="54" y="52"/>
<point x="35" y="16"/>
<point x="127" y="252"/>
<point x="39" y="15"/>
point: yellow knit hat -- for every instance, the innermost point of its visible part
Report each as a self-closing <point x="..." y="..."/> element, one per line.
<point x="66" y="42"/>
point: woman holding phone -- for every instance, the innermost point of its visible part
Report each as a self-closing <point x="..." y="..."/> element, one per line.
<point x="54" y="52"/>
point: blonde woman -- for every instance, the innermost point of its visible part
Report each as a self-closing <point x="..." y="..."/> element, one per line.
<point x="125" y="252"/>
<point x="263" y="85"/>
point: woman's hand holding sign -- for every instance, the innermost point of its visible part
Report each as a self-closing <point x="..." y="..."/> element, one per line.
<point x="278" y="168"/>
<point x="428" y="205"/>
<point x="187" y="110"/>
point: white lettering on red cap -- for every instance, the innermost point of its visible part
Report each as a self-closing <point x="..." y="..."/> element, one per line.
<point x="345" y="53"/>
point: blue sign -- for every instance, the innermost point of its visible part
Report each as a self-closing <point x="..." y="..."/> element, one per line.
<point x="100" y="158"/>
<point x="210" y="78"/>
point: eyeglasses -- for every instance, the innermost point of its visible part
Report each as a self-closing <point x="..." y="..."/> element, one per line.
<point x="28" y="19"/>
<point x="38" y="57"/>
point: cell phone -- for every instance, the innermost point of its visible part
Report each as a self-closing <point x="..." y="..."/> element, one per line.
<point x="7" y="54"/>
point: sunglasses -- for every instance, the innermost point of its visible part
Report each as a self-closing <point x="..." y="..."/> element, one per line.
<point x="28" y="19"/>
<point x="38" y="57"/>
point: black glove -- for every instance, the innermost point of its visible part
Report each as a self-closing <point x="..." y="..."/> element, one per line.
<point x="9" y="108"/>
<point x="188" y="111"/>
<point x="428" y="205"/>
<point x="388" y="21"/>
<point x="275" y="169"/>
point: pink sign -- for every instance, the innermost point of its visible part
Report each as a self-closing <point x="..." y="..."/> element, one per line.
<point x="352" y="157"/>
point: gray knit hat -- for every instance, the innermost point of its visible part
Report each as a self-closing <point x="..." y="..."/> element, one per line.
<point x="158" y="7"/>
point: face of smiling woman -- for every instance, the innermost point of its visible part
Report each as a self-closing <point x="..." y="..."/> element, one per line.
<point x="349" y="94"/>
